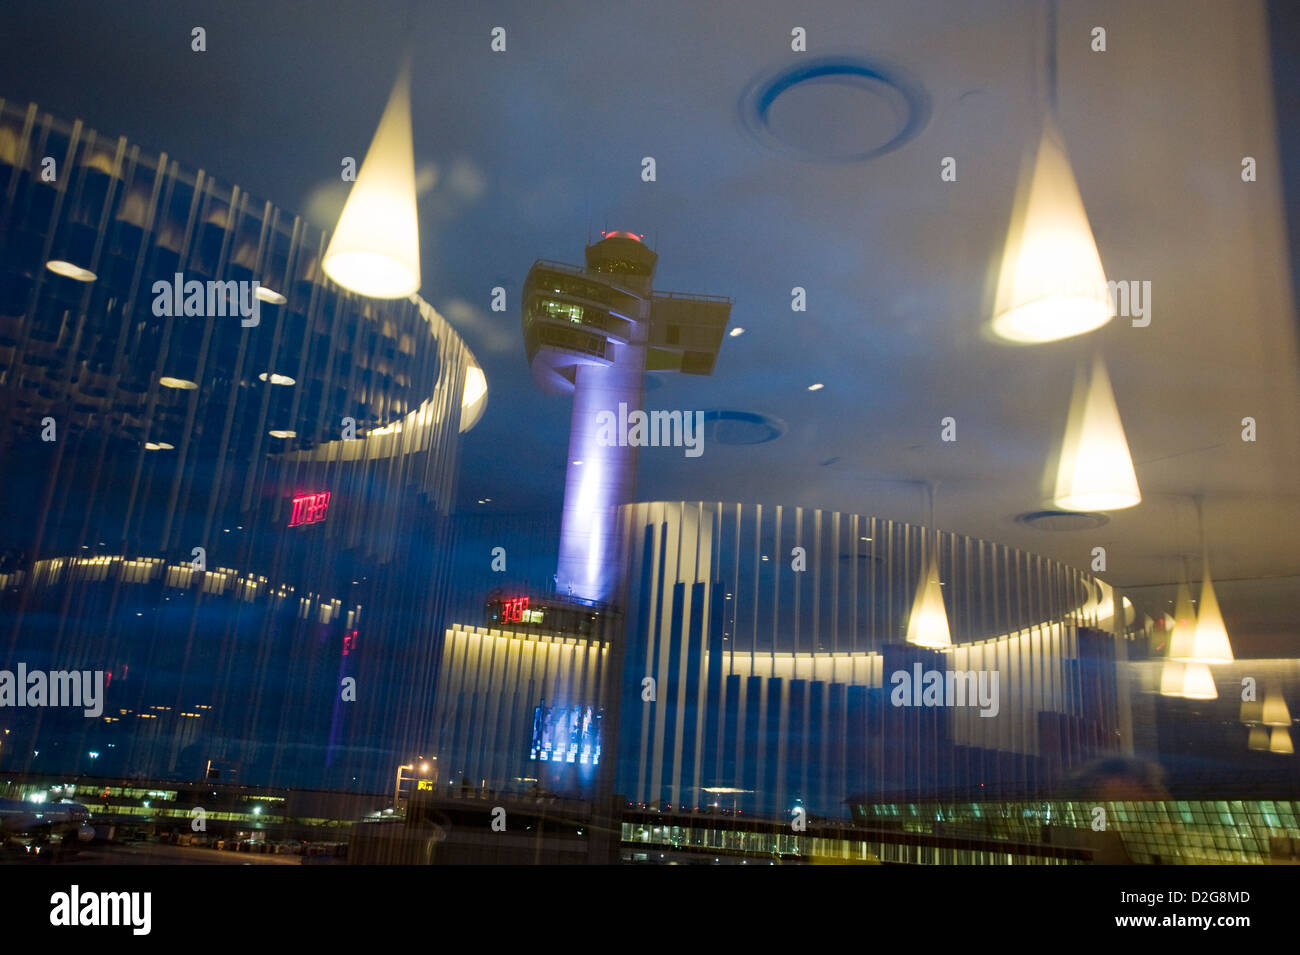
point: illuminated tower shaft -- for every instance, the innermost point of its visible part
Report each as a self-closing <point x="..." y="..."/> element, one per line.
<point x="593" y="333"/>
<point x="606" y="476"/>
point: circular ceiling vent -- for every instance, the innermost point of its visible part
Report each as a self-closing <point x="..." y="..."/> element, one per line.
<point x="1063" y="520"/>
<point x="835" y="109"/>
<point x="742" y="427"/>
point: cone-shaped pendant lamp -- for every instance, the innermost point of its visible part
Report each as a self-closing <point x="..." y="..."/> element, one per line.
<point x="1096" y="469"/>
<point x="1198" y="682"/>
<point x="1258" y="738"/>
<point x="928" y="624"/>
<point x="1171" y="678"/>
<point x="1252" y="711"/>
<point x="1274" y="712"/>
<point x="1210" y="639"/>
<point x="1181" y="639"/>
<point x="375" y="249"/>
<point x="1279" y="741"/>
<point x="1051" y="284"/>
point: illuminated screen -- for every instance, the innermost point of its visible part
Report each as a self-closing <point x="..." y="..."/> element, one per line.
<point x="309" y="508"/>
<point x="566" y="734"/>
<point x="514" y="610"/>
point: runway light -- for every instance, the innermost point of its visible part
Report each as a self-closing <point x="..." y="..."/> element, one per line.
<point x="184" y="384"/>
<point x="70" y="271"/>
<point x="1096" y="469"/>
<point x="375" y="249"/>
<point x="1051" y="284"/>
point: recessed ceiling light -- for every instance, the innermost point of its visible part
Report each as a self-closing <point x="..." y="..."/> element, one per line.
<point x="283" y="434"/>
<point x="70" y="271"/>
<point x="158" y="446"/>
<point x="736" y="331"/>
<point x="817" y="387"/>
<point x="270" y="295"/>
<point x="184" y="384"/>
<point x="276" y="379"/>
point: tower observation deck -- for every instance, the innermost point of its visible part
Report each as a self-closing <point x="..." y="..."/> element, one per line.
<point x="594" y="332"/>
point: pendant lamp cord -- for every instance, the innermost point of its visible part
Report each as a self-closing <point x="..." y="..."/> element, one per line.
<point x="1200" y="523"/>
<point x="929" y="487"/>
<point x="1053" y="9"/>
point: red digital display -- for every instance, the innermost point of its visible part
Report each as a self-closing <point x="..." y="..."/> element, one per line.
<point x="349" y="642"/>
<point x="309" y="508"/>
<point x="512" y="609"/>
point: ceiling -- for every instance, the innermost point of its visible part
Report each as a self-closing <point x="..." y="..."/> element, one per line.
<point x="527" y="153"/>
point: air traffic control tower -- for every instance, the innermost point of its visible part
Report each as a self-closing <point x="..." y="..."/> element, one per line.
<point x="594" y="332"/>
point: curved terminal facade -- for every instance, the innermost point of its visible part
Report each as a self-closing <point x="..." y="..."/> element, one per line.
<point x="775" y="642"/>
<point x="228" y="481"/>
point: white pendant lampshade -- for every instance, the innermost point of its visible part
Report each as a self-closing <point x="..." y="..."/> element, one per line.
<point x="1274" y="711"/>
<point x="1171" y="678"/>
<point x="1051" y="284"/>
<point x="1180" y="640"/>
<point x="1279" y="741"/>
<point x="375" y="249"/>
<point x="473" y="397"/>
<point x="1210" y="639"/>
<point x="1198" y="682"/>
<point x="928" y="624"/>
<point x="1096" y="470"/>
<point x="1258" y="738"/>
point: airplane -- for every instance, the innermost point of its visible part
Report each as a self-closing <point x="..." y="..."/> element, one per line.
<point x="34" y="825"/>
